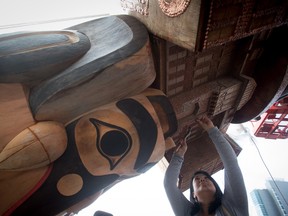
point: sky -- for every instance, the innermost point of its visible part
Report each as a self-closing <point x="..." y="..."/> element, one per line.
<point x="143" y="195"/>
<point x="25" y="14"/>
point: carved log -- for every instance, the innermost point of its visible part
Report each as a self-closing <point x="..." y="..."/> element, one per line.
<point x="32" y="57"/>
<point x="116" y="141"/>
<point x="36" y="146"/>
<point x="118" y="64"/>
<point x="15" y="114"/>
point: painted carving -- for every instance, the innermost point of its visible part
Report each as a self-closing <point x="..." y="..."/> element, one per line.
<point x="139" y="6"/>
<point x="78" y="112"/>
<point x="65" y="136"/>
<point x="114" y="142"/>
<point x="173" y="8"/>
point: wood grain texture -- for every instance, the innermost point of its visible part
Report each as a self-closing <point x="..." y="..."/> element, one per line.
<point x="119" y="156"/>
<point x="198" y="25"/>
<point x="181" y="30"/>
<point x="15" y="185"/>
<point x="34" y="147"/>
<point x="84" y="169"/>
<point x="119" y="64"/>
<point x="15" y="114"/>
<point x="31" y="57"/>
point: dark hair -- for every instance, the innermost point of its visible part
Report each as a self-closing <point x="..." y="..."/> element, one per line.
<point x="102" y="213"/>
<point x="218" y="195"/>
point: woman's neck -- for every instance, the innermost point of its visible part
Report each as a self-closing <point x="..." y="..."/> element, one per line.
<point x="205" y="210"/>
<point x="206" y="214"/>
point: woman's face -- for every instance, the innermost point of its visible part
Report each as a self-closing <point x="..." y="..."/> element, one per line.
<point x="203" y="187"/>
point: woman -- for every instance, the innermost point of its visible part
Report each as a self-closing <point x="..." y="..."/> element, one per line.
<point x="206" y="197"/>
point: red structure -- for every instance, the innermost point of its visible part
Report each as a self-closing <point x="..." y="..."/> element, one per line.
<point x="274" y="123"/>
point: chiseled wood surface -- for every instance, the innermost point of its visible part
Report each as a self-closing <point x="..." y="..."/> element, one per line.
<point x="118" y="64"/>
<point x="117" y="141"/>
<point x="197" y="25"/>
<point x="31" y="57"/>
<point x="36" y="146"/>
<point x="104" y="124"/>
<point x="15" y="114"/>
<point x="15" y="185"/>
<point x="181" y="30"/>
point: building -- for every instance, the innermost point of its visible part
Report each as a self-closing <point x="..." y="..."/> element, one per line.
<point x="279" y="189"/>
<point x="264" y="203"/>
<point x="271" y="201"/>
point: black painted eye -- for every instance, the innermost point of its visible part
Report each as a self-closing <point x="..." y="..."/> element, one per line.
<point x="114" y="143"/>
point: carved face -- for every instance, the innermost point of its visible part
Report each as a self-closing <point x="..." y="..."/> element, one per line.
<point x="124" y="138"/>
<point x="113" y="142"/>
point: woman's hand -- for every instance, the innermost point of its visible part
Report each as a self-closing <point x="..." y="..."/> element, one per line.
<point x="205" y="122"/>
<point x="181" y="148"/>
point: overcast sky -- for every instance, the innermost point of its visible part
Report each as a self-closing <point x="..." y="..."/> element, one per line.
<point x="27" y="13"/>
